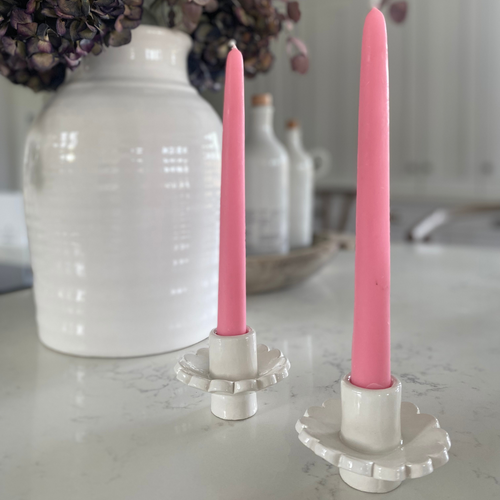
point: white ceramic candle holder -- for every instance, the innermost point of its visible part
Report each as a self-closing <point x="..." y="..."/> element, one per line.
<point x="374" y="439"/>
<point x="233" y="369"/>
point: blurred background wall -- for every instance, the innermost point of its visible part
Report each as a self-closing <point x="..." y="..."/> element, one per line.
<point x="445" y="94"/>
<point x="445" y="97"/>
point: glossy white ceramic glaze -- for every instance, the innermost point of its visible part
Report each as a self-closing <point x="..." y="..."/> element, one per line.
<point x="106" y="429"/>
<point x="267" y="186"/>
<point x="232" y="369"/>
<point x="371" y="419"/>
<point x="375" y="440"/>
<point x="122" y="183"/>
<point x="233" y="358"/>
<point x="301" y="190"/>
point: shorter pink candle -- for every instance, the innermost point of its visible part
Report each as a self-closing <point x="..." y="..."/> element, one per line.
<point x="232" y="258"/>
<point x="371" y="345"/>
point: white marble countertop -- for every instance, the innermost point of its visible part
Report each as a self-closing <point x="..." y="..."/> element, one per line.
<point x="89" y="429"/>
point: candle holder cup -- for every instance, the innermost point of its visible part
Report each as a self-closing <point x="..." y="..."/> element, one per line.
<point x="374" y="439"/>
<point x="233" y="369"/>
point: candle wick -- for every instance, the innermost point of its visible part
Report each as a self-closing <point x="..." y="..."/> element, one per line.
<point x="232" y="43"/>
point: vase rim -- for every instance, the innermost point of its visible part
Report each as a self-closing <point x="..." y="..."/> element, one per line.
<point x="155" y="54"/>
<point x="151" y="31"/>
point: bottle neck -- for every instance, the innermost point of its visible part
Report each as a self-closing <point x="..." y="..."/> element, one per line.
<point x="294" y="139"/>
<point x="262" y="121"/>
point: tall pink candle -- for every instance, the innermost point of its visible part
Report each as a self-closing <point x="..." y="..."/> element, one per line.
<point x="232" y="264"/>
<point x="371" y="362"/>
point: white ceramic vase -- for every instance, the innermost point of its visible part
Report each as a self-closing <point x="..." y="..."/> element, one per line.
<point x="122" y="185"/>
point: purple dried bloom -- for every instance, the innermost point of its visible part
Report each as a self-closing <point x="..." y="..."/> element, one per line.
<point x="14" y="48"/>
<point x="18" y="16"/>
<point x="26" y="30"/>
<point x="293" y="11"/>
<point x="398" y="11"/>
<point x="251" y="23"/>
<point x="39" y="39"/>
<point x="60" y="27"/>
<point x="117" y="38"/>
<point x="43" y="61"/>
<point x="30" y="6"/>
<point x="300" y="63"/>
<point x="211" y="6"/>
<point x="36" y="45"/>
<point x="191" y="15"/>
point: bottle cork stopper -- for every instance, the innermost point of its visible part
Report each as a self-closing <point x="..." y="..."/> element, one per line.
<point x="292" y="123"/>
<point x="262" y="100"/>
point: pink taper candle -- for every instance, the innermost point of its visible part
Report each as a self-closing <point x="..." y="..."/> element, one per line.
<point x="232" y="264"/>
<point x="371" y="362"/>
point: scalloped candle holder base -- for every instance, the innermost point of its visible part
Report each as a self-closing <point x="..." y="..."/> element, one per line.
<point x="374" y="439"/>
<point x="233" y="369"/>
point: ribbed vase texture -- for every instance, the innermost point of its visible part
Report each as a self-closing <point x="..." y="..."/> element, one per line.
<point x="122" y="186"/>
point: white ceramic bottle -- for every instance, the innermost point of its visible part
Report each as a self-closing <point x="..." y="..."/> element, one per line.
<point x="267" y="183"/>
<point x="301" y="188"/>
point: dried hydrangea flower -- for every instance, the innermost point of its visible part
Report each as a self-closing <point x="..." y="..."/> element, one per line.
<point x="39" y="39"/>
<point x="398" y="10"/>
<point x="252" y="24"/>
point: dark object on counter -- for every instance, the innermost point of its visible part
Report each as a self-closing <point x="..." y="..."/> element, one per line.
<point x="14" y="278"/>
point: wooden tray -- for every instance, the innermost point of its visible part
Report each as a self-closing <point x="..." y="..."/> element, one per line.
<point x="272" y="272"/>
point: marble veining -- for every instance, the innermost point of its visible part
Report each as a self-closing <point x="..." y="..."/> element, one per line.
<point x="79" y="429"/>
